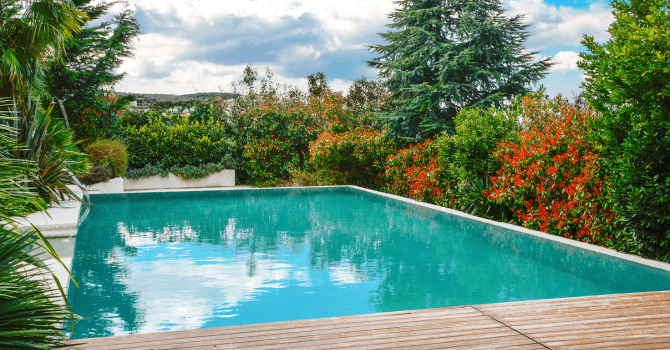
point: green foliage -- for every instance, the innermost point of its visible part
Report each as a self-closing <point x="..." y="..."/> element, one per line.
<point x="51" y="147"/>
<point x="177" y="141"/>
<point x="98" y="117"/>
<point x="109" y="153"/>
<point x="16" y="196"/>
<point x="320" y="177"/>
<point x="185" y="172"/>
<point x="91" y="58"/>
<point x="198" y="171"/>
<point x="273" y="128"/>
<point x="446" y="55"/>
<point x="628" y="81"/>
<point x="32" y="35"/>
<point x="355" y="157"/>
<point x="146" y="171"/>
<point x="204" y="111"/>
<point x="317" y="84"/>
<point x="468" y="154"/>
<point x="466" y="158"/>
<point x="270" y="183"/>
<point x="31" y="317"/>
<point x="136" y="118"/>
<point x="97" y="174"/>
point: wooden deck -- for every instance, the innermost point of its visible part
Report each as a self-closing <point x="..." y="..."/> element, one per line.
<point x="620" y="321"/>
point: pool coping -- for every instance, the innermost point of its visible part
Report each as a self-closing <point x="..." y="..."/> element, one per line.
<point x="559" y="239"/>
<point x="540" y="234"/>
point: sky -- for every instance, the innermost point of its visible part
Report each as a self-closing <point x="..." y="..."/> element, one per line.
<point x="204" y="45"/>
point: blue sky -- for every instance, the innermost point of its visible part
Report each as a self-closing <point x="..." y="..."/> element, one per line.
<point x="203" y="45"/>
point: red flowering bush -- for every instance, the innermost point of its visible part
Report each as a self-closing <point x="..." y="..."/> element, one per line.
<point x="100" y="118"/>
<point x="414" y="172"/>
<point x="551" y="177"/>
<point x="274" y="132"/>
<point x="354" y="157"/>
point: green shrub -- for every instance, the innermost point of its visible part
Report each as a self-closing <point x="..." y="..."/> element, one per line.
<point x="354" y="157"/>
<point x="204" y="111"/>
<point x="310" y="178"/>
<point x="468" y="154"/>
<point x="96" y="175"/>
<point x="198" y="171"/>
<point x="454" y="170"/>
<point x="176" y="141"/>
<point x="147" y="171"/>
<point x="628" y="81"/>
<point x="137" y="118"/>
<point x="270" y="183"/>
<point x="109" y="153"/>
<point x="275" y="133"/>
<point x="31" y="311"/>
<point x="185" y="172"/>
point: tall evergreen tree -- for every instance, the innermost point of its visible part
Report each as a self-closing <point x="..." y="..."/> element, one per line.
<point x="92" y="55"/>
<point x="446" y="55"/>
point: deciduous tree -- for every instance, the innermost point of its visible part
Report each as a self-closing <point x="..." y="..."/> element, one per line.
<point x="628" y="81"/>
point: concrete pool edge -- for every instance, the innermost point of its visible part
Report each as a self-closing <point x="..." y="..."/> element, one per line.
<point x="540" y="234"/>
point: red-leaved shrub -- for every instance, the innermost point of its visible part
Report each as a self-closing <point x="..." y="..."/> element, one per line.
<point x="552" y="178"/>
<point x="413" y="172"/>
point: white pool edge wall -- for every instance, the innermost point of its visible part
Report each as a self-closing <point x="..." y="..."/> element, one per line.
<point x="559" y="239"/>
<point x="223" y="178"/>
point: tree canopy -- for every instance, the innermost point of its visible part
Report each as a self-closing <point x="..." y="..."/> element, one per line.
<point x="32" y="36"/>
<point x="92" y="55"/>
<point x="446" y="55"/>
<point x="628" y="81"/>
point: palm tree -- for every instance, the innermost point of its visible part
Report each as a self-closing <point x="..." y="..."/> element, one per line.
<point x="32" y="34"/>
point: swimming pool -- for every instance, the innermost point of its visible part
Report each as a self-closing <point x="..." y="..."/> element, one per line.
<point x="151" y="262"/>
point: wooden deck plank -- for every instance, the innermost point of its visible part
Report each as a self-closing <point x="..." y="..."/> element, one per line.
<point x="618" y="321"/>
<point x="288" y="326"/>
<point x="307" y="333"/>
<point x="291" y="328"/>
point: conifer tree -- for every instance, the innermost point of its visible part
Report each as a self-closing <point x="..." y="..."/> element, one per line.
<point x="446" y="55"/>
<point x="92" y="55"/>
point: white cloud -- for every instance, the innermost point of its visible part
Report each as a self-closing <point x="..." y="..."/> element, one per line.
<point x="205" y="45"/>
<point x="562" y="25"/>
<point x="565" y="61"/>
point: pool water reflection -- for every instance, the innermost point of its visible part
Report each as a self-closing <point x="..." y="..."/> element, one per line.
<point x="170" y="261"/>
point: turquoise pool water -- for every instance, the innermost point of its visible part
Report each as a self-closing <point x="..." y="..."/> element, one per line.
<point x="169" y="261"/>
